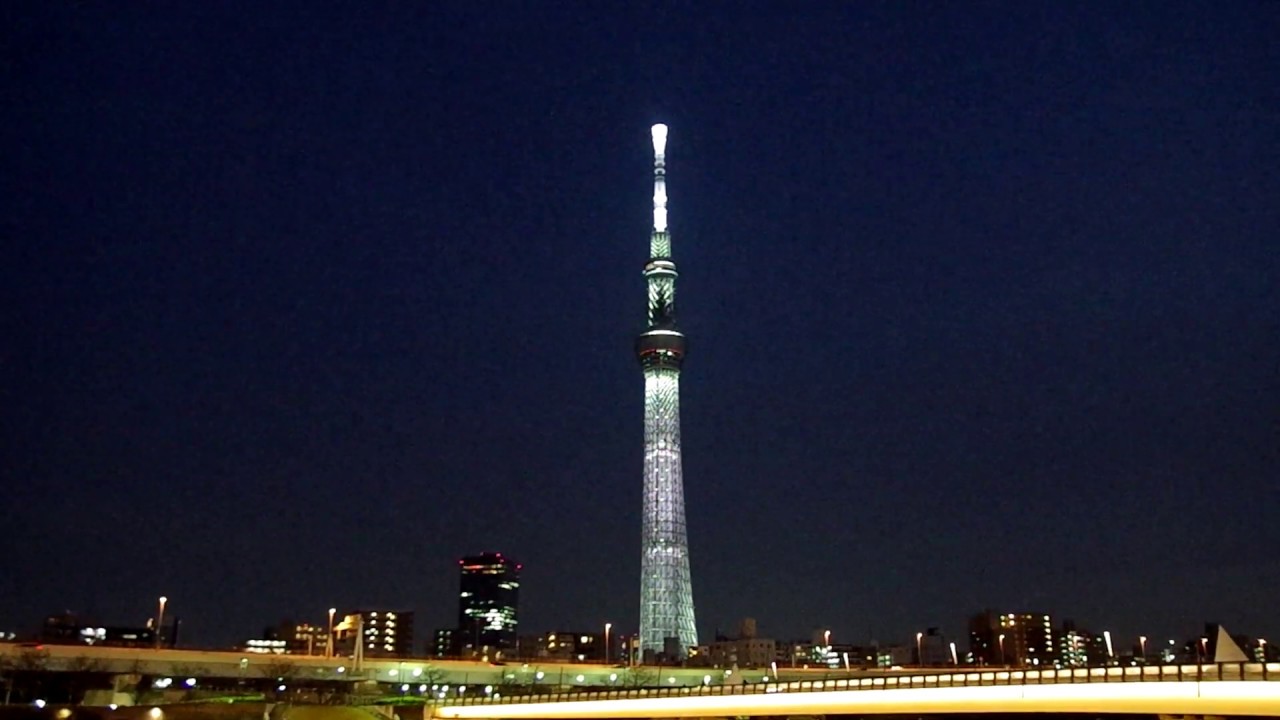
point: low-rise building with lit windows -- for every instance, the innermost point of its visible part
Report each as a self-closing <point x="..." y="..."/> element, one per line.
<point x="746" y="650"/>
<point x="380" y="633"/>
<point x="68" y="629"/>
<point x="308" y="639"/>
<point x="568" y="646"/>
<point x="1078" y="647"/>
<point x="1017" y="639"/>
<point x="444" y="643"/>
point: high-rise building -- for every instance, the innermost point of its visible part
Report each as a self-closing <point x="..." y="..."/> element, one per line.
<point x="487" y="603"/>
<point x="666" y="591"/>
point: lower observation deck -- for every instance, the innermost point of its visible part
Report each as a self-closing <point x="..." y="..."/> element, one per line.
<point x="1222" y="689"/>
<point x="660" y="348"/>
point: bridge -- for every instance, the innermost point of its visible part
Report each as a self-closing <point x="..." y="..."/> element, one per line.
<point x="236" y="665"/>
<point x="536" y="675"/>
<point x="1221" y="689"/>
<point x="469" y="690"/>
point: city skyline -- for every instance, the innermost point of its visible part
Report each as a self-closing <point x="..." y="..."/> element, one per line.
<point x="306" y="305"/>
<point x="980" y="639"/>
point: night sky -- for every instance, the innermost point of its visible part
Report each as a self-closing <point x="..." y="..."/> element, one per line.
<point x="305" y="301"/>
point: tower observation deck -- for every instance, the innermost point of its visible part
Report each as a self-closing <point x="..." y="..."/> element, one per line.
<point x="666" y="591"/>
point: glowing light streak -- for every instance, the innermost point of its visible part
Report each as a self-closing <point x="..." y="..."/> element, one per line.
<point x="1169" y="698"/>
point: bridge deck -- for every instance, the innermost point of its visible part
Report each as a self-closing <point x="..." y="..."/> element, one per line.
<point x="1223" y="689"/>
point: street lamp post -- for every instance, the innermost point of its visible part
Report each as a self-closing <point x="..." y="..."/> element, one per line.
<point x="1142" y="641"/>
<point x="160" y="620"/>
<point x="607" y="627"/>
<point x="357" y="659"/>
<point x="328" y="645"/>
<point x="1204" y="649"/>
<point x="1001" y="648"/>
<point x="919" y="649"/>
<point x="1262" y="649"/>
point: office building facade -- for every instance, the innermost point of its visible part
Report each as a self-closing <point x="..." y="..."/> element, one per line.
<point x="488" y="604"/>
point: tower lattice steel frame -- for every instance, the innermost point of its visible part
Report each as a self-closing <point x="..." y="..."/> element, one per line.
<point x="666" y="591"/>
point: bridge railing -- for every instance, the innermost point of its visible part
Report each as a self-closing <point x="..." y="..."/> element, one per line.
<point x="961" y="678"/>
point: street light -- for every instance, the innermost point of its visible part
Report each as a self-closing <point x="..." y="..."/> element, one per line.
<point x="1262" y="649"/>
<point x="1204" y="649"/>
<point x="1142" y="640"/>
<point x="826" y="638"/>
<point x="1002" y="648"/>
<point x="955" y="659"/>
<point x="328" y="644"/>
<point x="919" y="651"/>
<point x="607" y="626"/>
<point x="160" y="620"/>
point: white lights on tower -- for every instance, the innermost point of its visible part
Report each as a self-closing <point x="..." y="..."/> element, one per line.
<point x="659" y="205"/>
<point x="659" y="133"/>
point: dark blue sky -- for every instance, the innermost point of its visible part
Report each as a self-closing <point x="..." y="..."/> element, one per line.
<point x="304" y="301"/>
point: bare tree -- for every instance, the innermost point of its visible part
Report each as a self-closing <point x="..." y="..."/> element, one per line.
<point x="638" y="677"/>
<point x="6" y="675"/>
<point x="33" y="660"/>
<point x="279" y="669"/>
<point x="82" y="671"/>
<point x="85" y="664"/>
<point x="431" y="676"/>
<point x="190" y="671"/>
<point x="25" y="671"/>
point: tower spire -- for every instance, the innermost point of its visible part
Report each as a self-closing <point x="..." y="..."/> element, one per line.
<point x="659" y="133"/>
<point x="666" y="594"/>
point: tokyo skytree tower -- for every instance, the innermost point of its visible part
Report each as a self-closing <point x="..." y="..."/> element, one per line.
<point x="666" y="592"/>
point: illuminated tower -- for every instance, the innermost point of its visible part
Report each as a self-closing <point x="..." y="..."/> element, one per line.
<point x="666" y="593"/>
